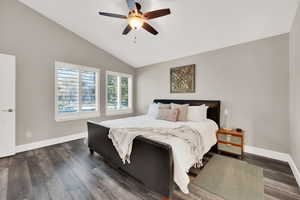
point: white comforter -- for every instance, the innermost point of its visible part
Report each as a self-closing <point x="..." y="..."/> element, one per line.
<point x="183" y="158"/>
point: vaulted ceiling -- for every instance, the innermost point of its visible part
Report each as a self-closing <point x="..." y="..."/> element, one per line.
<point x="194" y="26"/>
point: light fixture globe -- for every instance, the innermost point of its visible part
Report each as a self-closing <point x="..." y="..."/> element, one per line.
<point x="135" y="21"/>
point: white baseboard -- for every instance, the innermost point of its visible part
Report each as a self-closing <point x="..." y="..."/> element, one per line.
<point x="49" y="142"/>
<point x="295" y="170"/>
<point x="7" y="154"/>
<point x="268" y="153"/>
<point x="275" y="155"/>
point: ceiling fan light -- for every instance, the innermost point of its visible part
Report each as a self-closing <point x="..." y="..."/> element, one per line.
<point x="135" y="22"/>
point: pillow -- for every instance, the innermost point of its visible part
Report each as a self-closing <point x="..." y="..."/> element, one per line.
<point x="167" y="114"/>
<point x="182" y="111"/>
<point x="197" y="113"/>
<point x="164" y="106"/>
<point x="153" y="110"/>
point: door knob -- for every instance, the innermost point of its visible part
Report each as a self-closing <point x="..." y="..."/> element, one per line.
<point x="9" y="110"/>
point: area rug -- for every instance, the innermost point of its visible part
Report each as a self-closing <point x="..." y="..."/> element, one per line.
<point x="231" y="179"/>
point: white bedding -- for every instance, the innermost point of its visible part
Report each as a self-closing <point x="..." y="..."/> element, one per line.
<point x="183" y="158"/>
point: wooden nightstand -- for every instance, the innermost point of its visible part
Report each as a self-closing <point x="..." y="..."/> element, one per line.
<point x="231" y="141"/>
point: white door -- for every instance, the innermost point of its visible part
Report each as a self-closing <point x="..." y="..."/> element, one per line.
<point x="7" y="105"/>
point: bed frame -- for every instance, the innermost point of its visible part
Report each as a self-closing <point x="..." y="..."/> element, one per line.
<point x="151" y="161"/>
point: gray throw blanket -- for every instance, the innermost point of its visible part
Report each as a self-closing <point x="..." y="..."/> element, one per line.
<point x="122" y="139"/>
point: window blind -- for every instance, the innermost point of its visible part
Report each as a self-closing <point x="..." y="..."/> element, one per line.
<point x="67" y="90"/>
<point x="77" y="92"/>
<point x="88" y="91"/>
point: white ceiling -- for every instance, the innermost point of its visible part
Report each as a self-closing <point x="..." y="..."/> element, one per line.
<point x="194" y="26"/>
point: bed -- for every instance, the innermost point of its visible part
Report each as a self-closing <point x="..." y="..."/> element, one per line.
<point x="152" y="161"/>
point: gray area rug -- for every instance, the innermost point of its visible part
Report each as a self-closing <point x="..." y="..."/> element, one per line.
<point x="231" y="179"/>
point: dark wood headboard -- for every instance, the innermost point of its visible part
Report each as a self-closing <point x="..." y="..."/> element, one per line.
<point x="213" y="111"/>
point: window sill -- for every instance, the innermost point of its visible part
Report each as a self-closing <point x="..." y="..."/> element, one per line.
<point x="118" y="112"/>
<point x="71" y="117"/>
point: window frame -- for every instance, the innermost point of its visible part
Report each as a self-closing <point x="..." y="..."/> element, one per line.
<point x="60" y="117"/>
<point x="119" y="111"/>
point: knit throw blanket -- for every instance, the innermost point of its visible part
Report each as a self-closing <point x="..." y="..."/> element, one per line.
<point x="122" y="139"/>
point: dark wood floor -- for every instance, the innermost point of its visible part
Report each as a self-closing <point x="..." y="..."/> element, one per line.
<point x="67" y="171"/>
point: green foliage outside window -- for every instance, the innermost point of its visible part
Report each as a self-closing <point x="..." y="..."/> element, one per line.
<point x="113" y="100"/>
<point x="124" y="92"/>
<point x="112" y="92"/>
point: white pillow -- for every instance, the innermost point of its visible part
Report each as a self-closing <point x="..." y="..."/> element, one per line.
<point x="197" y="113"/>
<point x="153" y="110"/>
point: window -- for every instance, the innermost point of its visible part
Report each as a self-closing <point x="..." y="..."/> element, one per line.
<point x="118" y="93"/>
<point x="76" y="92"/>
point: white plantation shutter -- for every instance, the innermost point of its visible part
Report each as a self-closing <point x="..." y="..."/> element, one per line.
<point x="67" y="90"/>
<point x="76" y="92"/>
<point x="88" y="91"/>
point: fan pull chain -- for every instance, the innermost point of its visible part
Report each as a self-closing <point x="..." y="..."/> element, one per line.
<point x="135" y="38"/>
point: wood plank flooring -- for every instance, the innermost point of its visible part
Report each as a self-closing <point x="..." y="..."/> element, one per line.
<point x="68" y="172"/>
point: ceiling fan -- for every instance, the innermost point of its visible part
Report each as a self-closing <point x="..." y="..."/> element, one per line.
<point x="137" y="19"/>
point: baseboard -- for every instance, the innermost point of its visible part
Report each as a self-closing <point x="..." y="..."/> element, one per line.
<point x="7" y="154"/>
<point x="276" y="155"/>
<point x="295" y="170"/>
<point x="49" y="142"/>
<point x="268" y="153"/>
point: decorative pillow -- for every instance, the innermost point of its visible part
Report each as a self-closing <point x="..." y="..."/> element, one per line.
<point x="153" y="110"/>
<point x="164" y="106"/>
<point x="197" y="113"/>
<point x="167" y="114"/>
<point x="182" y="111"/>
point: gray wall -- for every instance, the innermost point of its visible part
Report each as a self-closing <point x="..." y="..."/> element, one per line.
<point x="251" y="80"/>
<point x="37" y="42"/>
<point x="295" y="90"/>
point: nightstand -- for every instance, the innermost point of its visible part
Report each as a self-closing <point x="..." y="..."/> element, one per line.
<point x="231" y="141"/>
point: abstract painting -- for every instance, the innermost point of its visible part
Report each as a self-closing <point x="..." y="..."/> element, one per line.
<point x="182" y="79"/>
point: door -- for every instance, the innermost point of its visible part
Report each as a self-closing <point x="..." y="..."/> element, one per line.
<point x="7" y="105"/>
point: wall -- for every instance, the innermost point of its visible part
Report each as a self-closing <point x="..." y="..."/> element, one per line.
<point x="294" y="90"/>
<point x="251" y="80"/>
<point x="37" y="42"/>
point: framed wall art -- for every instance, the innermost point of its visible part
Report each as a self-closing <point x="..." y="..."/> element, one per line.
<point x="182" y="79"/>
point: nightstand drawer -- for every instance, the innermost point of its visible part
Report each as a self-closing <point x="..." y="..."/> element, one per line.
<point x="230" y="138"/>
<point x="230" y="148"/>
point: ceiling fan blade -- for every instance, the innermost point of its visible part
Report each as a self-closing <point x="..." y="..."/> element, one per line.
<point x="138" y="6"/>
<point x="157" y="13"/>
<point x="149" y="28"/>
<point x="113" y="15"/>
<point x="131" y="4"/>
<point x="127" y="30"/>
